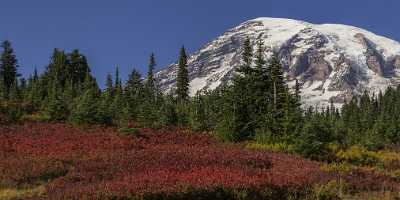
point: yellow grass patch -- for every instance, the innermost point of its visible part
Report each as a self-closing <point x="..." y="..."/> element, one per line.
<point x="12" y="193"/>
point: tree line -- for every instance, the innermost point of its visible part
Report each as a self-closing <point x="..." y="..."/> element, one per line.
<point x="257" y="105"/>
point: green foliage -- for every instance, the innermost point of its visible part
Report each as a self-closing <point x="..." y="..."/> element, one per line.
<point x="85" y="110"/>
<point x="314" y="140"/>
<point x="129" y="131"/>
<point x="257" y="105"/>
<point x="182" y="81"/>
<point x="204" y="110"/>
<point x="150" y="82"/>
<point x="11" y="111"/>
<point x="358" y="155"/>
<point x="274" y="147"/>
<point x="8" y="69"/>
<point x="330" y="191"/>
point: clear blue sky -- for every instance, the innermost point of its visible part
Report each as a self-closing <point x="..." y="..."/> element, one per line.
<point x="125" y="32"/>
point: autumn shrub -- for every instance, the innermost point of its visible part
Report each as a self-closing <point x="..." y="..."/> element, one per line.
<point x="97" y="163"/>
<point x="100" y="164"/>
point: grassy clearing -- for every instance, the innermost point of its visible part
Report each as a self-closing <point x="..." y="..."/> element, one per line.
<point x="12" y="193"/>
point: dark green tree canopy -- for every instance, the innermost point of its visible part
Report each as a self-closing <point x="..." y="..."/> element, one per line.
<point x="182" y="83"/>
<point x="8" y="68"/>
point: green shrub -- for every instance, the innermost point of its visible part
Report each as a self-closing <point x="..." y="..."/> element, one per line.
<point x="330" y="191"/>
<point x="339" y="168"/>
<point x="275" y="147"/>
<point x="314" y="141"/>
<point x="129" y="131"/>
<point x="38" y="117"/>
<point x="359" y="156"/>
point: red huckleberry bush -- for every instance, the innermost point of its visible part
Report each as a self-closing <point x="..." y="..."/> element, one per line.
<point x="100" y="164"/>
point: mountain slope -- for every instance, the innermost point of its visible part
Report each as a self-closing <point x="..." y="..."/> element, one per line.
<point x="332" y="62"/>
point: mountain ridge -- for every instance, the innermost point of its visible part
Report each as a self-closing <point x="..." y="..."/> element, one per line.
<point x="332" y="61"/>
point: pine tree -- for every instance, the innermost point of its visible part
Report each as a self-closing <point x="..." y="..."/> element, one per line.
<point x="33" y="95"/>
<point x="260" y="87"/>
<point x="278" y="84"/>
<point x="78" y="67"/>
<point x="150" y="74"/>
<point x="182" y="84"/>
<point x="238" y="118"/>
<point x="23" y="88"/>
<point x="56" y="108"/>
<point x="247" y="58"/>
<point x="109" y="85"/>
<point x="134" y="92"/>
<point x="280" y="94"/>
<point x="57" y="70"/>
<point x="15" y="92"/>
<point x="8" y="68"/>
<point x="85" y="111"/>
<point x="134" y="85"/>
<point x="105" y="113"/>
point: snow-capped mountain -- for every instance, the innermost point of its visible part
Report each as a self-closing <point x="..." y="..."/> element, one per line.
<point x="331" y="61"/>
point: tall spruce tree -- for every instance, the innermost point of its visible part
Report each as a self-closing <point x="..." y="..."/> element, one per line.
<point x="182" y="83"/>
<point x="247" y="58"/>
<point x="85" y="110"/>
<point x="8" y="68"/>
<point x="238" y="116"/>
<point x="260" y="86"/>
<point x="109" y="85"/>
<point x="134" y="92"/>
<point x="150" y="74"/>
<point x="78" y="66"/>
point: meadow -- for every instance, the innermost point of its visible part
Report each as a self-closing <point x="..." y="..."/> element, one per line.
<point x="59" y="161"/>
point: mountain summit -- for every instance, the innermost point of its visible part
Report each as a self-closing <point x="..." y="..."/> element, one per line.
<point x="332" y="62"/>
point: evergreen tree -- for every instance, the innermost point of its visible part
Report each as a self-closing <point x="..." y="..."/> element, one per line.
<point x="280" y="95"/>
<point x="15" y="92"/>
<point x="238" y="121"/>
<point x="182" y="84"/>
<point x="134" y="92"/>
<point x="78" y="67"/>
<point x="247" y="58"/>
<point x="260" y="87"/>
<point x="150" y="74"/>
<point x="33" y="95"/>
<point x="56" y="108"/>
<point x="8" y="68"/>
<point x="23" y="88"/>
<point x="57" y="70"/>
<point x="109" y="85"/>
<point x="85" y="111"/>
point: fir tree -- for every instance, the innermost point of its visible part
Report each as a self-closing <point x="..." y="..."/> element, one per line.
<point x="78" y="67"/>
<point x="247" y="58"/>
<point x="134" y="93"/>
<point x="15" y="92"/>
<point x="109" y="85"/>
<point x="150" y="74"/>
<point x="8" y="68"/>
<point x="182" y="84"/>
<point x="56" y="108"/>
<point x="238" y="122"/>
<point x="85" y="111"/>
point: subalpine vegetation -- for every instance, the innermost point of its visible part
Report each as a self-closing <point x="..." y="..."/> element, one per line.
<point x="257" y="109"/>
<point x="257" y="106"/>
